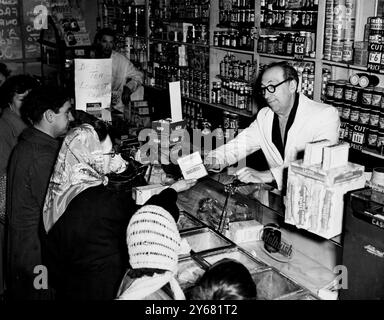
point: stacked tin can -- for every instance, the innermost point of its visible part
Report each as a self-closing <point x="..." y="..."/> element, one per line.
<point x="339" y="30"/>
<point x="361" y="108"/>
<point x="349" y="35"/>
<point x="328" y="32"/>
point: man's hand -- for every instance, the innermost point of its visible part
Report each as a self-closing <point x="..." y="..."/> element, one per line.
<point x="183" y="185"/>
<point x="248" y="175"/>
<point x="126" y="95"/>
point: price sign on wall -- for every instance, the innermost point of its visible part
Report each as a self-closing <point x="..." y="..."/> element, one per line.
<point x="376" y="57"/>
<point x="299" y="47"/>
<point x="10" y="31"/>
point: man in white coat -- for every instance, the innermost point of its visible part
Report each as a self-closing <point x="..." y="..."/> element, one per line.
<point x="281" y="129"/>
<point x="126" y="79"/>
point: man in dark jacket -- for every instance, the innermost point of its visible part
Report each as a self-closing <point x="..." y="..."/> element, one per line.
<point x="30" y="168"/>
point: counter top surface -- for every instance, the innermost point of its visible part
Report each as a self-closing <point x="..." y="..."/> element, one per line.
<point x="309" y="270"/>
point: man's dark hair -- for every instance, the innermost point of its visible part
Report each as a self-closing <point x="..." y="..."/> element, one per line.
<point x="104" y="32"/>
<point x="42" y="99"/>
<point x="289" y="72"/>
<point x="16" y="84"/>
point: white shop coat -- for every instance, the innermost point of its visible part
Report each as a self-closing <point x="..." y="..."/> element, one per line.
<point x="313" y="121"/>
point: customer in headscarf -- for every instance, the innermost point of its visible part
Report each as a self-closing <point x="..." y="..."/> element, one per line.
<point x="85" y="220"/>
<point x="153" y="246"/>
<point x="227" y="279"/>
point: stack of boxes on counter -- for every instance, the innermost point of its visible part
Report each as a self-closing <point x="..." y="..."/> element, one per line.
<point x="168" y="134"/>
<point x="339" y="36"/>
<point x="317" y="185"/>
<point x="235" y="87"/>
<point x="360" y="103"/>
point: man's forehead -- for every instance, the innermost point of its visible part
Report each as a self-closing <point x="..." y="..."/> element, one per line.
<point x="106" y="38"/>
<point x="273" y="74"/>
<point x="65" y="107"/>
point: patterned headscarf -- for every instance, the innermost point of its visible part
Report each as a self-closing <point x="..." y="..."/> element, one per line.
<point x="79" y="166"/>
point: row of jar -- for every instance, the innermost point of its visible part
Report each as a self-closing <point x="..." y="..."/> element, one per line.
<point x="234" y="94"/>
<point x="342" y="91"/>
<point x="235" y="69"/>
<point x="288" y="44"/>
<point x="360" y="114"/>
<point x="288" y="19"/>
<point x="241" y="39"/>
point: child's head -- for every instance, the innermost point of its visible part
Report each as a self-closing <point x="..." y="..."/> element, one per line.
<point x="153" y="239"/>
<point x="227" y="279"/>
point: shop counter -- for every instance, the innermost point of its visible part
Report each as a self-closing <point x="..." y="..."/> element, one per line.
<point x="313" y="258"/>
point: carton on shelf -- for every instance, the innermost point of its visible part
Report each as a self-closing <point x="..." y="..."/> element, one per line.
<point x="315" y="197"/>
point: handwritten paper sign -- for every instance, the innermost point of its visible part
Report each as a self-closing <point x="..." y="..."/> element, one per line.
<point x="34" y="16"/>
<point x="93" y="78"/>
<point x="10" y="31"/>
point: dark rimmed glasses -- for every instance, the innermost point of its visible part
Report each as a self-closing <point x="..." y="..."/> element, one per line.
<point x="272" y="87"/>
<point x="113" y="153"/>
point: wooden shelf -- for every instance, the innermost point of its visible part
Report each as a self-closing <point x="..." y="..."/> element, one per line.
<point x="180" y="43"/>
<point x="289" y="30"/>
<point x="276" y="56"/>
<point x="234" y="50"/>
<point x="346" y="65"/>
<point x="243" y="113"/>
<point x="373" y="153"/>
<point x="234" y="79"/>
<point x="236" y="25"/>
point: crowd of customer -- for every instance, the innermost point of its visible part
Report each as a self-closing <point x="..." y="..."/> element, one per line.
<point x="58" y="216"/>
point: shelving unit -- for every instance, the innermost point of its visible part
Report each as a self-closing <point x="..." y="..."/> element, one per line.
<point x="57" y="65"/>
<point x="156" y="35"/>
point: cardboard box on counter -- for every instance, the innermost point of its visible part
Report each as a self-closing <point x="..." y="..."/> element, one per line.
<point x="315" y="197"/>
<point x="144" y="193"/>
<point x="329" y="177"/>
<point x="244" y="231"/>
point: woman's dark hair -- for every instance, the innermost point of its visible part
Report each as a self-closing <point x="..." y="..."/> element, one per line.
<point x="227" y="279"/>
<point x="42" y="99"/>
<point x="4" y="70"/>
<point x="101" y="127"/>
<point x="16" y="84"/>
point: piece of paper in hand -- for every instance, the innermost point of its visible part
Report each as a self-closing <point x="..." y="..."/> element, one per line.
<point x="192" y="166"/>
